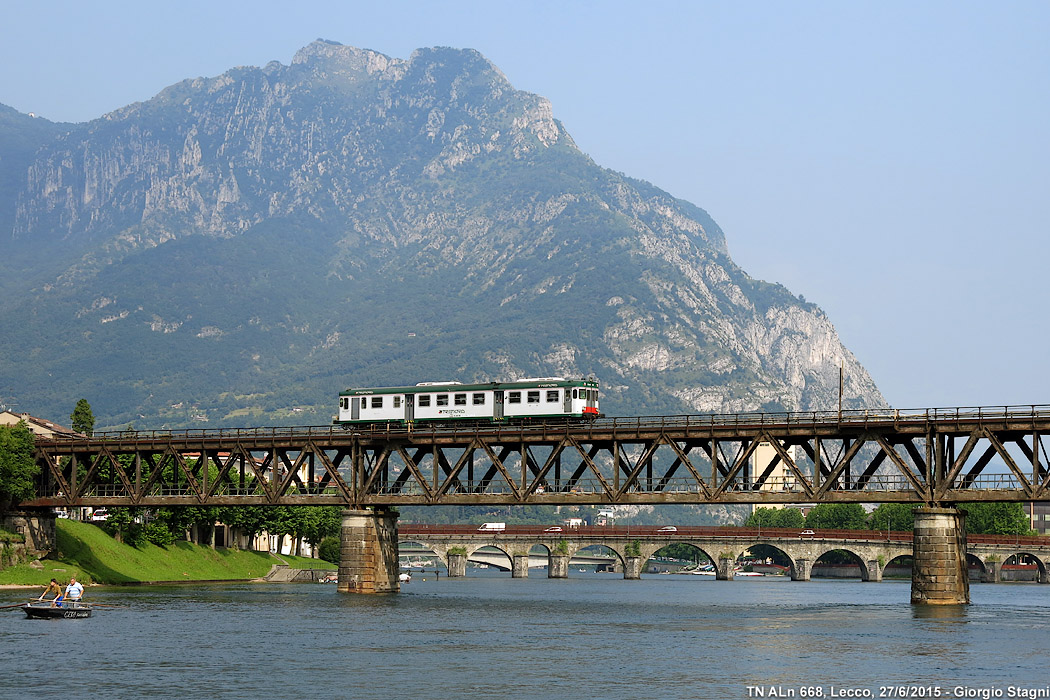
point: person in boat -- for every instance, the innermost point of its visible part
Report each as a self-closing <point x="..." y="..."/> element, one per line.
<point x="74" y="591"/>
<point x="52" y="587"/>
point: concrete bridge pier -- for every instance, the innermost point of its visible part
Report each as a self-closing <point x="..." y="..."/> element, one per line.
<point x="519" y="566"/>
<point x="558" y="566"/>
<point x="874" y="570"/>
<point x="939" y="573"/>
<point x="801" y="570"/>
<point x="724" y="570"/>
<point x="457" y="565"/>
<point x="368" y="561"/>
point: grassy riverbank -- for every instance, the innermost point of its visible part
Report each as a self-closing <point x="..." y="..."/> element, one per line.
<point x="87" y="552"/>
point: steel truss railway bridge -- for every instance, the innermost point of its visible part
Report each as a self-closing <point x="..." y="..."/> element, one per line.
<point x="934" y="458"/>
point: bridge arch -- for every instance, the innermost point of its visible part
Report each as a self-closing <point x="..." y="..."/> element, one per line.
<point x="1021" y="556"/>
<point x="985" y="564"/>
<point x="853" y="558"/>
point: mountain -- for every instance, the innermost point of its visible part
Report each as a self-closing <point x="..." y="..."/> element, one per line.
<point x="238" y="249"/>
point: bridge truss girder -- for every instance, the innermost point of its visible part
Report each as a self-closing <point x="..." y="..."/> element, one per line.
<point x="613" y="461"/>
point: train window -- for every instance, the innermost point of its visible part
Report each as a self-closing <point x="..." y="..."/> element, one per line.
<point x="534" y="397"/>
<point x="552" y="396"/>
<point x="442" y="399"/>
<point x="345" y="403"/>
<point x="513" y="397"/>
<point x="377" y="402"/>
<point x="574" y="393"/>
<point x="397" y="402"/>
<point x="479" y="399"/>
<point x="424" y="399"/>
<point x="460" y="399"/>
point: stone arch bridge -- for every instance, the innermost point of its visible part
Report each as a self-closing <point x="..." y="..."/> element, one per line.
<point x="633" y="546"/>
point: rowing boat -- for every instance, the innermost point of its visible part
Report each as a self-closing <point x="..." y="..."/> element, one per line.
<point x="45" y="610"/>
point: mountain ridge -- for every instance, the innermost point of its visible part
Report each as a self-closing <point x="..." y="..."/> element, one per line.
<point x="286" y="231"/>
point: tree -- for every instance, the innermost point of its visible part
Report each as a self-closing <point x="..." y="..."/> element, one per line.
<point x="776" y="517"/>
<point x="837" y="516"/>
<point x="790" y="518"/>
<point x="18" y="469"/>
<point x="996" y="519"/>
<point x="897" y="517"/>
<point x="762" y="517"/>
<point x="82" y="417"/>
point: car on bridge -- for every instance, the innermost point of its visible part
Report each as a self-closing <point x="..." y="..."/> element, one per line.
<point x="666" y="529"/>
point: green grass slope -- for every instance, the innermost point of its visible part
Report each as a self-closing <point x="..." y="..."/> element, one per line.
<point x="87" y="552"/>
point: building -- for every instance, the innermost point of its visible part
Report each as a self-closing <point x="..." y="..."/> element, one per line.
<point x="1039" y="515"/>
<point x="780" y="479"/>
<point x="37" y="426"/>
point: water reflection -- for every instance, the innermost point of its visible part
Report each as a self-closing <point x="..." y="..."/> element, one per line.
<point x="941" y="613"/>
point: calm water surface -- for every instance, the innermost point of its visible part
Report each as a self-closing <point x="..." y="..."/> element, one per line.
<point x="591" y="636"/>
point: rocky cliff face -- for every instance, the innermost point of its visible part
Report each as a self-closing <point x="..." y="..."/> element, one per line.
<point x="244" y="246"/>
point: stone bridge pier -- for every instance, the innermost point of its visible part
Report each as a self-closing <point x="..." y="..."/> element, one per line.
<point x="940" y="574"/>
<point x="368" y="561"/>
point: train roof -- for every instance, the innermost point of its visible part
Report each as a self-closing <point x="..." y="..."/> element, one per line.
<point x="455" y="387"/>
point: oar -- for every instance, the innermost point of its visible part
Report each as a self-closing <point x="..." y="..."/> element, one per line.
<point x="16" y="605"/>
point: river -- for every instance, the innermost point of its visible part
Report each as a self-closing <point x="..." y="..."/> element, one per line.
<point x="591" y="636"/>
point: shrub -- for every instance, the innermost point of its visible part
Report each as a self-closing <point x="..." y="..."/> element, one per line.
<point x="329" y="549"/>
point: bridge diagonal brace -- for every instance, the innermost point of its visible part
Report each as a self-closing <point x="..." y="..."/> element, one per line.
<point x="184" y="468"/>
<point x="902" y="466"/>
<point x="452" y="472"/>
<point x="960" y="461"/>
<point x="85" y="483"/>
<point x="978" y="467"/>
<point x="548" y="464"/>
<point x="412" y="467"/>
<point x="155" y="473"/>
<point x="682" y="457"/>
<point x="261" y="477"/>
<point x="833" y="476"/>
<point x="292" y="475"/>
<point x="865" y="477"/>
<point x="224" y="470"/>
<point x="741" y="459"/>
<point x="332" y="474"/>
<point x="490" y="473"/>
<point x="786" y="458"/>
<point x="54" y="469"/>
<point x="588" y="461"/>
<point x="380" y="458"/>
<point x="497" y="464"/>
<point x="1011" y="464"/>
<point x="632" y="473"/>
<point x="1039" y="474"/>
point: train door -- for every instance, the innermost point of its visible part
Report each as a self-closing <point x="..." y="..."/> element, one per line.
<point x="410" y="407"/>
<point x="355" y="408"/>
<point x="497" y="405"/>
<point x="567" y="403"/>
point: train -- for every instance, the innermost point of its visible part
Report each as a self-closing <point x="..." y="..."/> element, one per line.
<point x="533" y="399"/>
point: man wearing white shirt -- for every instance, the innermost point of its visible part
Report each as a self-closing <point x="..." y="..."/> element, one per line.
<point x="74" y="590"/>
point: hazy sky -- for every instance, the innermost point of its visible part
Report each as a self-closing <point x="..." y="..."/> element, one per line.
<point x="890" y="161"/>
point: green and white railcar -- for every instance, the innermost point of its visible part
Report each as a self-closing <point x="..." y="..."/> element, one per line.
<point x="546" y="397"/>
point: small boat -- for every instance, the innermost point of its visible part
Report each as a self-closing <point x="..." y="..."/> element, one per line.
<point x="45" y="610"/>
